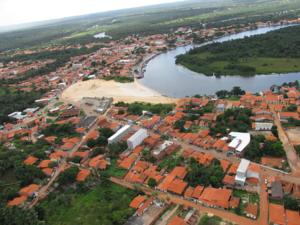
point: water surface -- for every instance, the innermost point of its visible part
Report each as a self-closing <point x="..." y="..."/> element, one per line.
<point x="164" y="76"/>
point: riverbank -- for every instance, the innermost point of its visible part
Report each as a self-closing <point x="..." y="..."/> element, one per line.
<point x="167" y="78"/>
<point x="126" y="92"/>
<point x="273" y="52"/>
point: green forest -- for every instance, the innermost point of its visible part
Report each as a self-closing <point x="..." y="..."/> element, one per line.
<point x="274" y="52"/>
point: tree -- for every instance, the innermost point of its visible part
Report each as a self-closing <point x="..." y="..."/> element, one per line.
<point x="237" y="91"/>
<point x="152" y="182"/>
<point x="18" y="216"/>
<point x="68" y="176"/>
<point x="292" y="108"/>
<point x="291" y="203"/>
<point x="102" y="141"/>
<point x="91" y="143"/>
<point x="274" y="130"/>
<point x="106" y="132"/>
<point x="27" y="173"/>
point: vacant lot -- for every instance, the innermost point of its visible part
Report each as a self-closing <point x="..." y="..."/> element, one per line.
<point x="294" y="135"/>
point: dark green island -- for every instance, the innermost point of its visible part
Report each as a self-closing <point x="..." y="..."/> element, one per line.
<point x="274" y="52"/>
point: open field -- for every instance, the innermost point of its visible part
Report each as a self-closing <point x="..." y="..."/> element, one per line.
<point x="126" y="92"/>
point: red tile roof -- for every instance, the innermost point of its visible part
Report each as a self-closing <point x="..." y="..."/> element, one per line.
<point x="47" y="171"/>
<point x="177" y="186"/>
<point x="216" y="197"/>
<point x="179" y="171"/>
<point x="83" y="174"/>
<point x="137" y="201"/>
<point x="29" y="190"/>
<point x="177" y="221"/>
<point x="17" y="201"/>
<point x="30" y="160"/>
<point x="45" y="163"/>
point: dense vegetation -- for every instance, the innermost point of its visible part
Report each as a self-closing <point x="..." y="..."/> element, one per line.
<point x="119" y="79"/>
<point x="274" y="52"/>
<point x="260" y="147"/>
<point x="105" y="204"/>
<point x="235" y="92"/>
<point x="15" y="100"/>
<point x="205" y="175"/>
<point x="232" y="120"/>
<point x="137" y="108"/>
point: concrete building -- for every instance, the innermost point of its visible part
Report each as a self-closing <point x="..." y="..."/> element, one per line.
<point x="241" y="173"/>
<point x="239" y="141"/>
<point x="119" y="134"/>
<point x="262" y="126"/>
<point x="137" y="138"/>
<point x="245" y="171"/>
<point x="17" y="115"/>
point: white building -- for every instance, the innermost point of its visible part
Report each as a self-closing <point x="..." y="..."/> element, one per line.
<point x="262" y="126"/>
<point x="137" y="138"/>
<point x="17" y="115"/>
<point x="245" y="171"/>
<point x="239" y="141"/>
<point x="119" y="134"/>
<point x="162" y="147"/>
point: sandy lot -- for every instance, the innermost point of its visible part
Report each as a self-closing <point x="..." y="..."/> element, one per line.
<point x="127" y="92"/>
<point x="294" y="135"/>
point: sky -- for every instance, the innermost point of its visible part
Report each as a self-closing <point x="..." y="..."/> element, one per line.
<point x="14" y="12"/>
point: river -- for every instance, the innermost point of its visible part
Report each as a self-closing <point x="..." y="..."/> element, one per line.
<point x="164" y="76"/>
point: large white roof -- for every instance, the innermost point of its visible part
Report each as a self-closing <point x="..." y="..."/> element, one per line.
<point x="243" y="166"/>
<point x="240" y="140"/>
<point x="119" y="132"/>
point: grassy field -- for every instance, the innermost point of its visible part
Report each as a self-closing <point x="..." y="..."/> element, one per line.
<point x="107" y="204"/>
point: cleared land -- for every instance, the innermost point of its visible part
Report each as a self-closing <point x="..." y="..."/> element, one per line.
<point x="126" y="92"/>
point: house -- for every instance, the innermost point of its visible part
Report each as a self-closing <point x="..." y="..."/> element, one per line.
<point x="284" y="116"/>
<point x="176" y="220"/>
<point x="137" y="201"/>
<point x="214" y="197"/>
<point x="276" y="190"/>
<point x="17" y="201"/>
<point x="82" y="175"/>
<point x="29" y="190"/>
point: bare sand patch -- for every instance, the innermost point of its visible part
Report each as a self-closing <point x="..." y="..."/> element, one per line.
<point x="294" y="135"/>
<point x="127" y="92"/>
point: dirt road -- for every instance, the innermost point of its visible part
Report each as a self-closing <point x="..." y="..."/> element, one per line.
<point x="181" y="201"/>
<point x="291" y="155"/>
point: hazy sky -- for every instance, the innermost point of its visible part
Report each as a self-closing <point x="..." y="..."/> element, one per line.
<point x="24" y="11"/>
